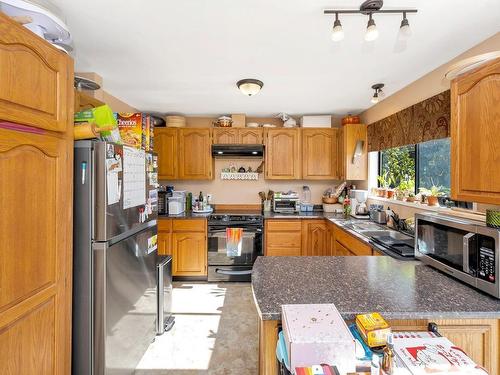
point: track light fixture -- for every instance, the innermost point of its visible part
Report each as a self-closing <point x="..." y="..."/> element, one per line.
<point x="378" y="92"/>
<point x="368" y="8"/>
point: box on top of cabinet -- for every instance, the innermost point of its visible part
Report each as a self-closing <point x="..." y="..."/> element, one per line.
<point x="315" y="334"/>
<point x="316" y="121"/>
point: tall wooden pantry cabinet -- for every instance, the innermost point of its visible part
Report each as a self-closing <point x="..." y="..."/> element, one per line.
<point x="36" y="156"/>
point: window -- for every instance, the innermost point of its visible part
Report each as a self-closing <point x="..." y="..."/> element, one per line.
<point x="418" y="166"/>
<point x="434" y="164"/>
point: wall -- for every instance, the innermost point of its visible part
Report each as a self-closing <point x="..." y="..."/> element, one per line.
<point x="429" y="85"/>
<point x="246" y="192"/>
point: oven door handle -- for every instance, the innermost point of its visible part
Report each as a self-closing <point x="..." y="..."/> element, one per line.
<point x="245" y="230"/>
<point x="465" y="256"/>
<point x="233" y="272"/>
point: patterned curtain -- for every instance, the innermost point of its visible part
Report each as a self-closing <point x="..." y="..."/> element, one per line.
<point x="424" y="121"/>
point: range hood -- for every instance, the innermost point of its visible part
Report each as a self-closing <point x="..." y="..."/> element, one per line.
<point x="237" y="151"/>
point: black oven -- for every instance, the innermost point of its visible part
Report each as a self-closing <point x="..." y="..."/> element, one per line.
<point x="226" y="263"/>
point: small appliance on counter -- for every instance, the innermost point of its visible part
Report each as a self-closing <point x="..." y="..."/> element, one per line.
<point x="177" y="202"/>
<point x="163" y="195"/>
<point x="465" y="249"/>
<point x="377" y="214"/>
<point x="286" y="202"/>
<point x="358" y="204"/>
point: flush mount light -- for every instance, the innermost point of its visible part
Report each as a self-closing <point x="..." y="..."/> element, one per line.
<point x="378" y="92"/>
<point x="368" y="8"/>
<point x="337" y="32"/>
<point x="249" y="86"/>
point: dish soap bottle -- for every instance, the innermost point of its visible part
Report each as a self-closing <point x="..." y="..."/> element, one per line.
<point x="388" y="361"/>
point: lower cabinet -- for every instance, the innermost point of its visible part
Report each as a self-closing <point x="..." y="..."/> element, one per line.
<point x="311" y="237"/>
<point x="186" y="241"/>
<point x="314" y="237"/>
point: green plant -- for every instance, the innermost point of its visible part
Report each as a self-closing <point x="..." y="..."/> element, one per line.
<point x="385" y="180"/>
<point x="407" y="186"/>
<point x="400" y="162"/>
<point x="434" y="191"/>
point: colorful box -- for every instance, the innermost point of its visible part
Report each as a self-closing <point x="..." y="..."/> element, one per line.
<point x="130" y="126"/>
<point x="373" y="328"/>
<point x="318" y="334"/>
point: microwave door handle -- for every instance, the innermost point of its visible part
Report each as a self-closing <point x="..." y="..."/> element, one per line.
<point x="465" y="259"/>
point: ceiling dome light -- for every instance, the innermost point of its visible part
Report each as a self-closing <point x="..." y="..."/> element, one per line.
<point x="404" y="29"/>
<point x="337" y="32"/>
<point x="378" y="93"/>
<point x="249" y="86"/>
<point x="371" y="30"/>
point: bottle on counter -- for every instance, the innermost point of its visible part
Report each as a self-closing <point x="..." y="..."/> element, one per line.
<point x="375" y="365"/>
<point x="388" y="360"/>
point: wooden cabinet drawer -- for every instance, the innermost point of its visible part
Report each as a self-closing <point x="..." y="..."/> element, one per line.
<point x="189" y="225"/>
<point x="351" y="243"/>
<point x="283" y="225"/>
<point x="281" y="239"/>
<point x="283" y="251"/>
<point x="164" y="225"/>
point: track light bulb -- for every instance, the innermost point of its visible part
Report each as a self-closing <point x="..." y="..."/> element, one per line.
<point x="371" y="30"/>
<point x="337" y="32"/>
<point x="375" y="98"/>
<point x="404" y="29"/>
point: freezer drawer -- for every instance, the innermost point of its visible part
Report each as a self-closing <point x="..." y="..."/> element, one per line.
<point x="164" y="318"/>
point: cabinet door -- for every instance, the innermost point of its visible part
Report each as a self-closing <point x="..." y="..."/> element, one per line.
<point x="319" y="154"/>
<point x="195" y="157"/>
<point x="35" y="252"/>
<point x="189" y="254"/>
<point x="164" y="243"/>
<point x="250" y="136"/>
<point x="475" y="135"/>
<point x="225" y="136"/>
<point x="355" y="169"/>
<point x="341" y="250"/>
<point x="341" y="162"/>
<point x="166" y="141"/>
<point x="283" y="154"/>
<point x="314" y="237"/>
<point x="36" y="79"/>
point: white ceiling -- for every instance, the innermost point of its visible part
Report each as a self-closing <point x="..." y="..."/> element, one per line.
<point x="186" y="55"/>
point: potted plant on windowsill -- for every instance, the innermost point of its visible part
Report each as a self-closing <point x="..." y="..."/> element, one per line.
<point x="432" y="194"/>
<point x="385" y="182"/>
<point x="405" y="188"/>
<point x="411" y="197"/>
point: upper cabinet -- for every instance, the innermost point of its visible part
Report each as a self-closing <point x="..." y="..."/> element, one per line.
<point x="250" y="136"/>
<point x="475" y="135"/>
<point x="166" y="145"/>
<point x="319" y="154"/>
<point x="195" y="157"/>
<point x="36" y="80"/>
<point x="354" y="140"/>
<point x="237" y="136"/>
<point x="283" y="156"/>
<point x="225" y="136"/>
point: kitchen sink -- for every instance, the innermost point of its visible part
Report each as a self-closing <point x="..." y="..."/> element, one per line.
<point x="368" y="226"/>
<point x="394" y="235"/>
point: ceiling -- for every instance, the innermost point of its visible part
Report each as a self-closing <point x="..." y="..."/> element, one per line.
<point x="185" y="56"/>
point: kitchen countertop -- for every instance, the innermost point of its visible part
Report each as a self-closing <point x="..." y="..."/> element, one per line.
<point x="302" y="215"/>
<point x="185" y="215"/>
<point x="398" y="290"/>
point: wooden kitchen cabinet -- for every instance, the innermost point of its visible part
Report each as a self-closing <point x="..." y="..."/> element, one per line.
<point x="349" y="169"/>
<point x="250" y="136"/>
<point x="314" y="237"/>
<point x="189" y="254"/>
<point x="186" y="241"/>
<point x="283" y="237"/>
<point x="346" y="244"/>
<point x="475" y="135"/>
<point x="319" y="154"/>
<point x="330" y="237"/>
<point x="225" y="136"/>
<point x="34" y="78"/>
<point x="36" y="200"/>
<point x="166" y="145"/>
<point x="283" y="154"/>
<point x="341" y="165"/>
<point x="195" y="154"/>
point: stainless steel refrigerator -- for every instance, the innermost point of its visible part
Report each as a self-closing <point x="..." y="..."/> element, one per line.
<point x="115" y="257"/>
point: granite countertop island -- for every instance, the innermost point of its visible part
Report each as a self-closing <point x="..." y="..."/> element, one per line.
<point x="396" y="289"/>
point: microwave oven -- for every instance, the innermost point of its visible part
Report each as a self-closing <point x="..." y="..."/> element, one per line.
<point x="465" y="249"/>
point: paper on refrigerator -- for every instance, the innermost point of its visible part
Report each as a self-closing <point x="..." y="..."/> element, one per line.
<point x="134" y="177"/>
